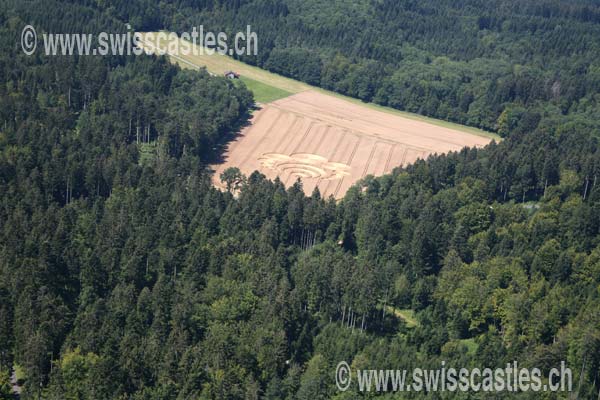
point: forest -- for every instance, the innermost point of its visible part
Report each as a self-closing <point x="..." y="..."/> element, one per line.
<point x="124" y="274"/>
<point x="504" y="66"/>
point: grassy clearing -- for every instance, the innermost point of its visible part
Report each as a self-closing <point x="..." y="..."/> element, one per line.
<point x="471" y="345"/>
<point x="19" y="373"/>
<point x="406" y="315"/>
<point x="264" y="93"/>
<point x="219" y="64"/>
<point x="147" y="152"/>
<point x="466" y="346"/>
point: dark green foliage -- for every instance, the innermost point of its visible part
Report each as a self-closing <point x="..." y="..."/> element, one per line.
<point x="504" y="66"/>
<point x="129" y="279"/>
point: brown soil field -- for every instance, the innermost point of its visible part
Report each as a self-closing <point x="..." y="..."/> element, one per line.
<point x="331" y="143"/>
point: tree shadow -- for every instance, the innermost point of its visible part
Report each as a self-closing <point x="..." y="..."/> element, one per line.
<point x="216" y="155"/>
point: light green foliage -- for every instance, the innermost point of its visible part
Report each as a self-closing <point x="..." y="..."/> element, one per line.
<point x="314" y="380"/>
<point x="147" y="153"/>
<point x="128" y="281"/>
<point x="77" y="372"/>
<point x="5" y="385"/>
<point x="233" y="179"/>
<point x="264" y="93"/>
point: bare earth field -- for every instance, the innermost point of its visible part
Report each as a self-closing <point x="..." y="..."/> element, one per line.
<point x="331" y="143"/>
<point x="327" y="140"/>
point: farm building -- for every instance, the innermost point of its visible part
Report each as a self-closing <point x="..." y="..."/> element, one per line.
<point x="231" y="75"/>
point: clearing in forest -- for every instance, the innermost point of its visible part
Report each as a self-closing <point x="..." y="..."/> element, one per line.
<point x="330" y="143"/>
<point x="327" y="140"/>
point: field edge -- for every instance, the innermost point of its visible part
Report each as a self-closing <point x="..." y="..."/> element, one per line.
<point x="270" y="80"/>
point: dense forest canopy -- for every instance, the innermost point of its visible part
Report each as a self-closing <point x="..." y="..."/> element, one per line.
<point x="125" y="274"/>
<point x="499" y="65"/>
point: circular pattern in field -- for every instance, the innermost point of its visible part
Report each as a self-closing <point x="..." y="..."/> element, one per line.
<point x="304" y="165"/>
<point x="330" y="144"/>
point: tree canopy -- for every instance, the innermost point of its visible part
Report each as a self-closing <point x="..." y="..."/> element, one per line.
<point x="125" y="274"/>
